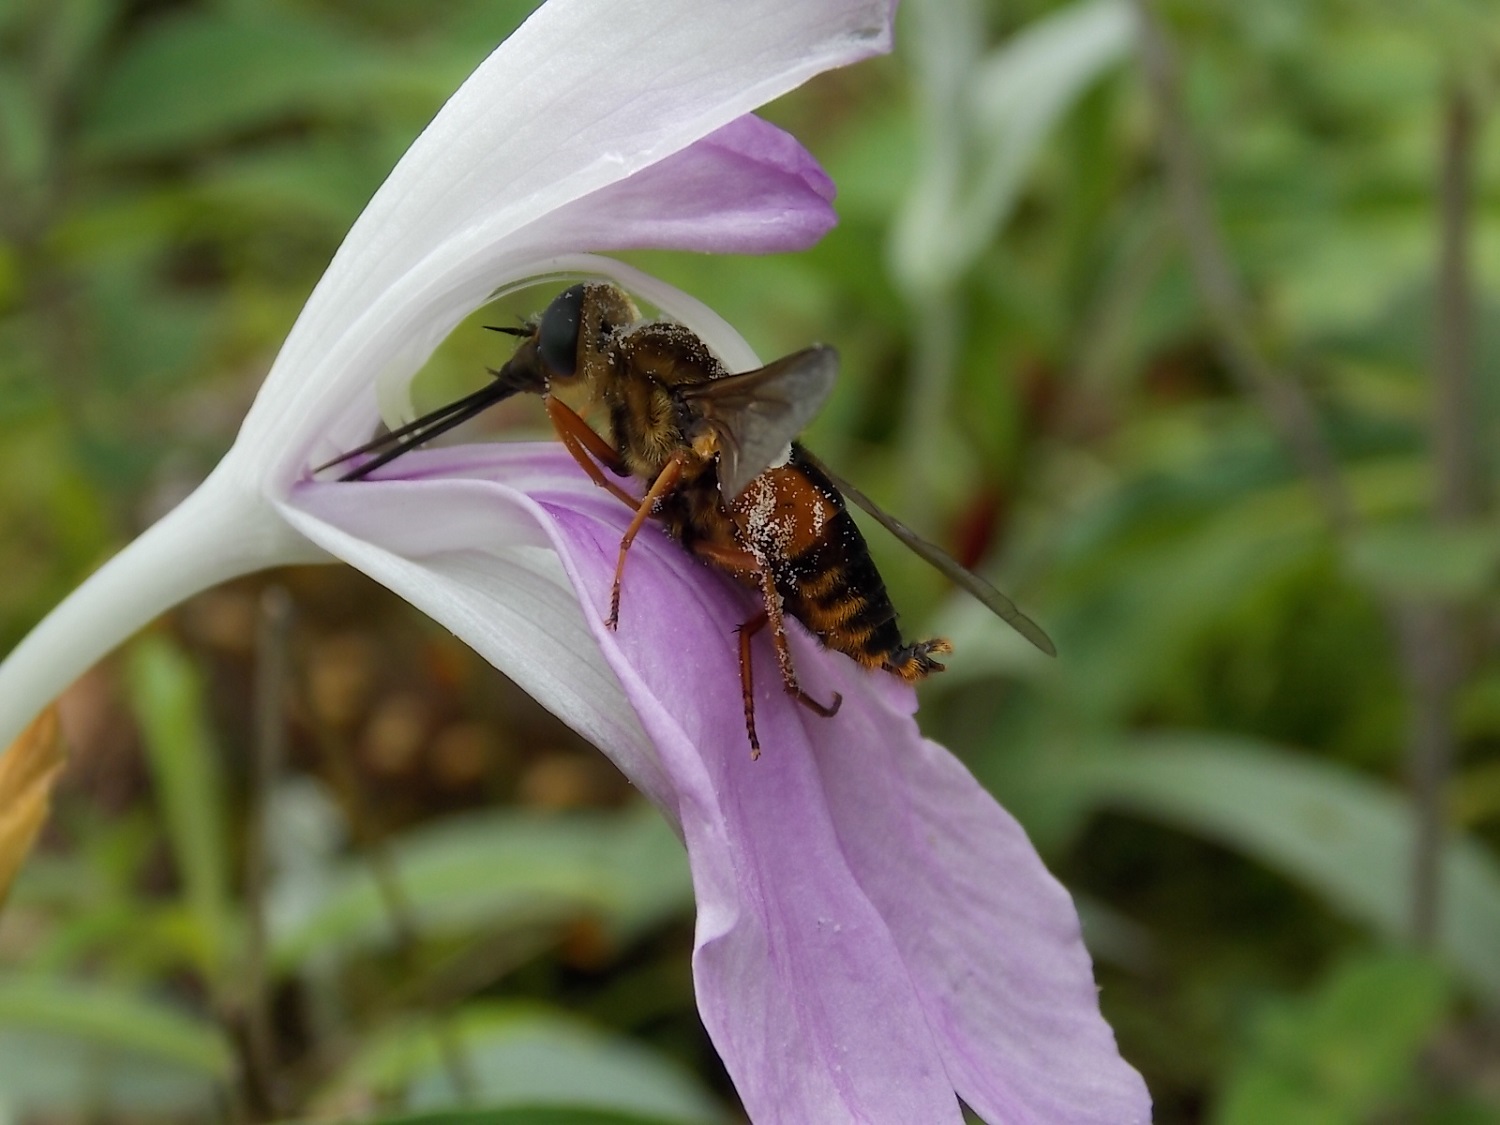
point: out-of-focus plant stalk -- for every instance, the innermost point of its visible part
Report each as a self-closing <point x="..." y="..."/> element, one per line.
<point x="1424" y="632"/>
<point x="1431" y="670"/>
<point x="1453" y="432"/>
<point x="1435" y="664"/>
<point x="370" y="838"/>
<point x="1280" y="396"/>
<point x="271" y="671"/>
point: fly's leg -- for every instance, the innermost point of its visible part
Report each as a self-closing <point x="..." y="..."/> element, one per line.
<point x="740" y="561"/>
<point x="588" y="449"/>
<point x="784" y="651"/>
<point x="665" y="482"/>
<point x="747" y="678"/>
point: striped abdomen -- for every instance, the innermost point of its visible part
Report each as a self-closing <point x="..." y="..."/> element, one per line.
<point x="794" y="519"/>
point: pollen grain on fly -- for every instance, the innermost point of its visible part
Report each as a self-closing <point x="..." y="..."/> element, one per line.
<point x="724" y="475"/>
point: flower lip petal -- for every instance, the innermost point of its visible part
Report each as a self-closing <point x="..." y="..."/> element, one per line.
<point x="991" y="940"/>
<point x="857" y="956"/>
<point x="777" y="909"/>
<point x="859" y="805"/>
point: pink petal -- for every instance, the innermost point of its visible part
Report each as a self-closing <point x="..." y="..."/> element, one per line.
<point x="749" y="188"/>
<point x="990" y="939"/>
<point x="874" y="931"/>
<point x="799" y="982"/>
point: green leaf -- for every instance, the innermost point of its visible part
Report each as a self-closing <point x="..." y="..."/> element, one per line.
<point x="1344" y="1054"/>
<point x="159" y="335"/>
<point x="523" y="1056"/>
<point x="326" y="183"/>
<point x="1004" y="109"/>
<point x="1477" y="794"/>
<point x="1156" y="565"/>
<point x="203" y="76"/>
<point x="1418" y="561"/>
<point x="490" y="872"/>
<point x="1024" y="89"/>
<point x="23" y="130"/>
<point x="69" y="1045"/>
<point x="1342" y="835"/>
<point x="75" y="32"/>
<point x="167" y="698"/>
<point x="114" y="1018"/>
<point x="10" y="277"/>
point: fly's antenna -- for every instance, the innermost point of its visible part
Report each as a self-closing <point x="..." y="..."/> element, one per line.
<point x="408" y="437"/>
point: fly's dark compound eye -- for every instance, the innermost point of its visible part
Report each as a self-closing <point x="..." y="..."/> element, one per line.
<point x="557" y="338"/>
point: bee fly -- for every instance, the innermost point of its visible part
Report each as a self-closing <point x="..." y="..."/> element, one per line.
<point x="723" y="474"/>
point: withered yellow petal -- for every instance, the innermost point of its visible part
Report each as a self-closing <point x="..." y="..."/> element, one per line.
<point x="28" y="770"/>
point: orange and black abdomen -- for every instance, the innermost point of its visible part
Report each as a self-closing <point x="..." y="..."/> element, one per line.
<point x="795" y="519"/>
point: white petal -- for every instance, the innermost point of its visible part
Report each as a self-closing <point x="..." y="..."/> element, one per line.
<point x="480" y="563"/>
<point x="582" y="95"/>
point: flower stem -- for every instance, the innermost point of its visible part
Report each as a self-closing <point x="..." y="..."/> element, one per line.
<point x="221" y="531"/>
<point x="1436" y="667"/>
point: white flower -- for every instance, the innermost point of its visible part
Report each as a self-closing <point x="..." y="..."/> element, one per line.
<point x="874" y="932"/>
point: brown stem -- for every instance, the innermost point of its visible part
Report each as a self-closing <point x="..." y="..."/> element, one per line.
<point x="398" y="909"/>
<point x="269" y="752"/>
<point x="1453" y="434"/>
<point x="1435" y="664"/>
<point x="1281" y="398"/>
<point x="1430" y="669"/>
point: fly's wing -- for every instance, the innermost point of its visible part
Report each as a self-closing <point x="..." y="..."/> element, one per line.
<point x="756" y="415"/>
<point x="960" y="575"/>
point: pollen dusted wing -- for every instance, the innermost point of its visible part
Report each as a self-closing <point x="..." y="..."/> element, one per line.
<point x="755" y="416"/>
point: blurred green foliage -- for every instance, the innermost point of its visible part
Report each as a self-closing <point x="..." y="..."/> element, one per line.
<point x="1216" y="764"/>
<point x="1347" y="1052"/>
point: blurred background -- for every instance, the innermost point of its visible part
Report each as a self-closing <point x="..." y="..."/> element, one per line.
<point x="1181" y="330"/>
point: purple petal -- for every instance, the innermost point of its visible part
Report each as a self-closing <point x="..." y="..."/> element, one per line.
<point x="799" y="982"/>
<point x="749" y="188"/>
<point x="990" y="939"/>
<point x="874" y="932"/>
